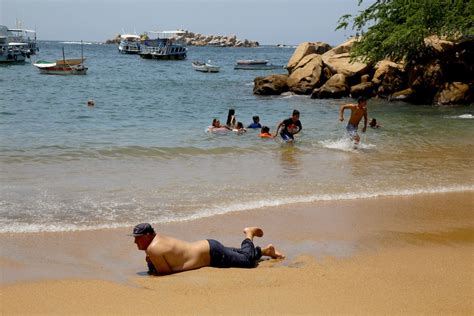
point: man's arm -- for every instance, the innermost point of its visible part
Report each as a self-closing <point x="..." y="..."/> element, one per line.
<point x="278" y="128"/>
<point x="300" y="127"/>
<point x="365" y="121"/>
<point x="341" y="110"/>
<point x="157" y="258"/>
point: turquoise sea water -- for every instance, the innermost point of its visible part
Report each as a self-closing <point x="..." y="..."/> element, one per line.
<point x="142" y="153"/>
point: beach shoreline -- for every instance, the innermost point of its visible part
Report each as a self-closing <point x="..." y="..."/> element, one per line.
<point x="415" y="250"/>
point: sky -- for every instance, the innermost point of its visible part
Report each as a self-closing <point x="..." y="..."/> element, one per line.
<point x="268" y="22"/>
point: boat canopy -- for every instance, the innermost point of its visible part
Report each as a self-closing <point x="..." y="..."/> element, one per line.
<point x="166" y="34"/>
<point x="21" y="30"/>
<point x="126" y="36"/>
<point x="17" y="44"/>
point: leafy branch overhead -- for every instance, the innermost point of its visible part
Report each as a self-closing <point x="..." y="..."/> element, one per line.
<point x="396" y="29"/>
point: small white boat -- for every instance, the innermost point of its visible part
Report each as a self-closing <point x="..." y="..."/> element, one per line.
<point x="205" y="67"/>
<point x="255" y="64"/>
<point x="62" y="66"/>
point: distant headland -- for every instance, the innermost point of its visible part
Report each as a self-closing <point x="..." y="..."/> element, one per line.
<point x="197" y="39"/>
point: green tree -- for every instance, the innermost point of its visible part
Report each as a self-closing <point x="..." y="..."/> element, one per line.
<point x="396" y="29"/>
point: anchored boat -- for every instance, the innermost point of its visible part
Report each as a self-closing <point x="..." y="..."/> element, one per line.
<point x="11" y="52"/>
<point x="163" y="46"/>
<point x="255" y="64"/>
<point x="205" y="67"/>
<point x="129" y="44"/>
<point x="63" y="66"/>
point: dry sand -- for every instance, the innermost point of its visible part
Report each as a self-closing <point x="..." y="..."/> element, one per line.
<point x="393" y="255"/>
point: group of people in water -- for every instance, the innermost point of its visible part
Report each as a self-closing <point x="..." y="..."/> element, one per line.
<point x="291" y="126"/>
<point x="287" y="128"/>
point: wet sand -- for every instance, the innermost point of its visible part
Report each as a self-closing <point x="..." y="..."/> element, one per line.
<point x="391" y="255"/>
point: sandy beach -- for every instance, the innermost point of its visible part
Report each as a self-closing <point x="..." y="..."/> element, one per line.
<point x="391" y="255"/>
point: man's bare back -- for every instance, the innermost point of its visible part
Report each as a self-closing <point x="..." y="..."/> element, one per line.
<point x="171" y="255"/>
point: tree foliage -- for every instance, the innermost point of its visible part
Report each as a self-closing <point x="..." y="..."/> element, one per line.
<point x="396" y="29"/>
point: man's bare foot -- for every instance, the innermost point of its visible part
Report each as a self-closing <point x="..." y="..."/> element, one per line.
<point x="251" y="232"/>
<point x="270" y="251"/>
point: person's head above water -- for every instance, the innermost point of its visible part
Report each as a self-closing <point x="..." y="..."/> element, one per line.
<point x="265" y="129"/>
<point x="144" y="234"/>
<point x="256" y="119"/>
<point x="296" y="115"/>
<point x="216" y="123"/>
<point x="240" y="125"/>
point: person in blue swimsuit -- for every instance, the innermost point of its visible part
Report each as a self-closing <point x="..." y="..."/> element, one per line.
<point x="290" y="127"/>
<point x="256" y="122"/>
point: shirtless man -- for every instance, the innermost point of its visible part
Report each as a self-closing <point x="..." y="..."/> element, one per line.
<point x="166" y="255"/>
<point x="358" y="111"/>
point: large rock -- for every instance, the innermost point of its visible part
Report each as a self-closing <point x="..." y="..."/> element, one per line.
<point x="454" y="93"/>
<point x="306" y="75"/>
<point x="305" y="49"/>
<point x="363" y="89"/>
<point x="335" y="87"/>
<point x="438" y="45"/>
<point x="393" y="80"/>
<point x="270" y="85"/>
<point x="382" y="67"/>
<point x="403" y="95"/>
<point x="338" y="60"/>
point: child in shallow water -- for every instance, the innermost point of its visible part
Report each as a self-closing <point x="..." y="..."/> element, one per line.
<point x="239" y="129"/>
<point x="265" y="132"/>
<point x="373" y="123"/>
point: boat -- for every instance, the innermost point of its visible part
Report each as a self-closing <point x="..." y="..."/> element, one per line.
<point x="62" y="66"/>
<point x="255" y="64"/>
<point x="10" y="52"/>
<point x="163" y="46"/>
<point x="26" y="38"/>
<point x="205" y="67"/>
<point x="129" y="44"/>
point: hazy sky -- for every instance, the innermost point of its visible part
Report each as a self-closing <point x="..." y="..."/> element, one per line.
<point x="269" y="22"/>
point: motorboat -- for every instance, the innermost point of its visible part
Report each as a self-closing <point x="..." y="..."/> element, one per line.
<point x="163" y="45"/>
<point x="10" y="52"/>
<point x="255" y="64"/>
<point x="129" y="44"/>
<point x="25" y="38"/>
<point x="62" y="66"/>
<point x="205" y="67"/>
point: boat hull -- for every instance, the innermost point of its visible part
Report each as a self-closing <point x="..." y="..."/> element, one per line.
<point x="163" y="57"/>
<point x="257" y="67"/>
<point x="63" y="71"/>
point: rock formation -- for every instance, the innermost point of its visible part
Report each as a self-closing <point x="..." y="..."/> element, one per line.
<point x="443" y="75"/>
<point x="197" y="39"/>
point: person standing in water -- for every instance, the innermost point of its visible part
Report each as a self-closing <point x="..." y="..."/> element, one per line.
<point x="290" y="127"/>
<point x="358" y="111"/>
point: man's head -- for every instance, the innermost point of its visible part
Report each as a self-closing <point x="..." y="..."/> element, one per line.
<point x="362" y="102"/>
<point x="296" y="115"/>
<point x="144" y="234"/>
<point x="256" y="119"/>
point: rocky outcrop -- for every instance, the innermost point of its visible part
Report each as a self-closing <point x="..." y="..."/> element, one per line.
<point x="270" y="85"/>
<point x="338" y="60"/>
<point x="454" y="93"/>
<point x="305" y="49"/>
<point x="442" y="74"/>
<point x="306" y="75"/>
<point x="197" y="39"/>
<point x="335" y="87"/>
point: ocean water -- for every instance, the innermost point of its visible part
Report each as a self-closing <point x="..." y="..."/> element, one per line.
<point x="142" y="153"/>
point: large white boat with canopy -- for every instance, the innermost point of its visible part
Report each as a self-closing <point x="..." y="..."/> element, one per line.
<point x="10" y="52"/>
<point x="163" y="45"/>
<point x="24" y="38"/>
<point x="129" y="44"/>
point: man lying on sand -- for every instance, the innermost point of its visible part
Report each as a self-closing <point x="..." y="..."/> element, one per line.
<point x="167" y="255"/>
